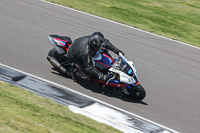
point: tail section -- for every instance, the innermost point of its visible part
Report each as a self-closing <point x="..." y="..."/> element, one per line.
<point x="61" y="43"/>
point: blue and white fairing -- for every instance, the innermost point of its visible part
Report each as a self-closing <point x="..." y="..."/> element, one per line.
<point x="126" y="70"/>
<point x="122" y="67"/>
<point x="103" y="61"/>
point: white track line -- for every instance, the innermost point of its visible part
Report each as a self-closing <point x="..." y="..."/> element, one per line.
<point x="120" y="24"/>
<point x="97" y="100"/>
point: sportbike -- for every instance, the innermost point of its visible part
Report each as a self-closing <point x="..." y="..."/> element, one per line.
<point x="123" y="72"/>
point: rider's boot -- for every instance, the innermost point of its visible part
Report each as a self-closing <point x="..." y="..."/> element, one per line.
<point x="74" y="74"/>
<point x="77" y="74"/>
<point x="82" y="75"/>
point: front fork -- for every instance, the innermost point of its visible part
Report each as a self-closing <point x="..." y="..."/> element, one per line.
<point x="129" y="88"/>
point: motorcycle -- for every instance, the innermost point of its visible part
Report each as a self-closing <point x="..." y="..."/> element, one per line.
<point x="123" y="72"/>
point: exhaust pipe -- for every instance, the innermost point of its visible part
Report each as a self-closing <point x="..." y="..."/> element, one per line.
<point x="56" y="64"/>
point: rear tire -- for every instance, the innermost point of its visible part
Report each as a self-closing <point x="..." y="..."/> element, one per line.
<point x="52" y="53"/>
<point x="60" y="59"/>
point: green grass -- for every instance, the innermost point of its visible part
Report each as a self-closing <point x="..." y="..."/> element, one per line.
<point x="24" y="112"/>
<point x="175" y="19"/>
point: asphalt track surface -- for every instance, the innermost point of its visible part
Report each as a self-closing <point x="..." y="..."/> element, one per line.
<point x="168" y="70"/>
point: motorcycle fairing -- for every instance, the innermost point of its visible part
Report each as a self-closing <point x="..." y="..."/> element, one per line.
<point x="113" y="83"/>
<point x="60" y="43"/>
<point x="135" y="84"/>
<point x="102" y="61"/>
<point x="126" y="70"/>
<point x="108" y="57"/>
<point x="124" y="78"/>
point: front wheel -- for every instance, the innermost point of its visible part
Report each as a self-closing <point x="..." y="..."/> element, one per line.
<point x="138" y="92"/>
<point x="135" y="92"/>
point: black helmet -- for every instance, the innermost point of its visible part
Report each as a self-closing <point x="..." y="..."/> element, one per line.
<point x="96" y="40"/>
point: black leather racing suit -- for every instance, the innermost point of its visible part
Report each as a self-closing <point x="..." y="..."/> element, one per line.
<point x="81" y="54"/>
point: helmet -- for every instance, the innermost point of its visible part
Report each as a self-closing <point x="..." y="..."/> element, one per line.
<point x="96" y="41"/>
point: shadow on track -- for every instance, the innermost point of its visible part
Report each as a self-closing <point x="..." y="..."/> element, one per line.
<point x="108" y="91"/>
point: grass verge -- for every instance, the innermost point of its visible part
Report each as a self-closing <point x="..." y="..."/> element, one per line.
<point x="175" y="19"/>
<point x="22" y="111"/>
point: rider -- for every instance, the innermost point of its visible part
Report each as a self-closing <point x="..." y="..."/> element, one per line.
<point x="83" y="49"/>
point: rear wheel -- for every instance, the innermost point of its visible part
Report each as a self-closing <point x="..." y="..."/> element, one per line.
<point x="53" y="53"/>
<point x="59" y="62"/>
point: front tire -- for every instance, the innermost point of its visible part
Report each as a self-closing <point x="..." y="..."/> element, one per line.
<point x="135" y="92"/>
<point x="138" y="92"/>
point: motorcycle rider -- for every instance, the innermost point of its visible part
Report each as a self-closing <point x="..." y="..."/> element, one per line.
<point x="83" y="49"/>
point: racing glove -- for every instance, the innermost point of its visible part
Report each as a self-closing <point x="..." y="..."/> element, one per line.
<point x="117" y="51"/>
